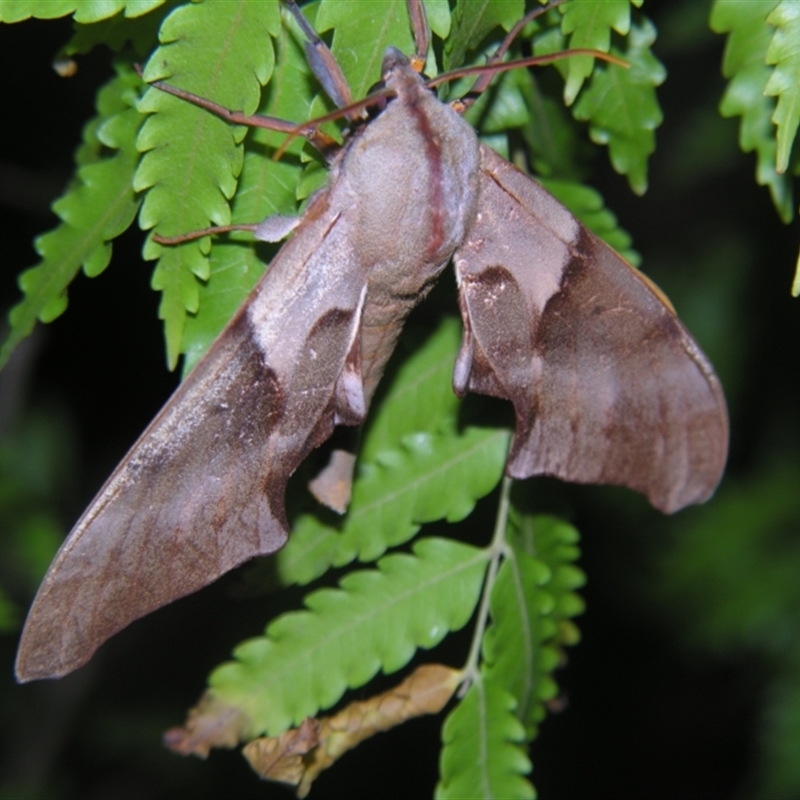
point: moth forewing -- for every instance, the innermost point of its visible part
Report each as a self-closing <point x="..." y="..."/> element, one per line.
<point x="306" y="349"/>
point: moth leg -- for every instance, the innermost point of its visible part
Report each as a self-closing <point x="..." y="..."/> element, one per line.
<point x="273" y="229"/>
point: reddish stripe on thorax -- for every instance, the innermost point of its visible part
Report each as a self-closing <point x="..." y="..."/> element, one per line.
<point x="433" y="154"/>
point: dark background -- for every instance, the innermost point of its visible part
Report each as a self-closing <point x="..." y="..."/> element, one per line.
<point x="658" y="705"/>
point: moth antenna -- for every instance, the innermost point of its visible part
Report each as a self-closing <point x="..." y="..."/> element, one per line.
<point x="422" y="34"/>
<point x="505" y="66"/>
<point x="321" y="60"/>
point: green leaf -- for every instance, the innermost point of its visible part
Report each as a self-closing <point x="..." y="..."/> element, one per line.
<point x="531" y="603"/>
<point x="749" y="38"/>
<point x="472" y="20"/>
<point x="589" y="25"/>
<point x="98" y="206"/>
<point x="439" y="17"/>
<point x="621" y="106"/>
<point x="511" y="645"/>
<point x="484" y="754"/>
<point x="83" y="10"/>
<point x="430" y="477"/>
<point x="192" y="159"/>
<point x="556" y="148"/>
<point x="784" y="83"/>
<point x="376" y="620"/>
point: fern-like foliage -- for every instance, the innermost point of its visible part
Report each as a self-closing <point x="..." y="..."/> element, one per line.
<point x="194" y="164"/>
<point x="531" y="605"/>
<point x="745" y="65"/>
<point x="192" y="159"/>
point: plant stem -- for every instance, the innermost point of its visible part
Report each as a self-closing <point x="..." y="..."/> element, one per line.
<point x="497" y="549"/>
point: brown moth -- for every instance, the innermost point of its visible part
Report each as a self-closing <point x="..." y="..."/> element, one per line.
<point x="606" y="383"/>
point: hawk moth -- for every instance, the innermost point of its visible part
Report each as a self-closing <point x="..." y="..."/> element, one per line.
<point x="606" y="383"/>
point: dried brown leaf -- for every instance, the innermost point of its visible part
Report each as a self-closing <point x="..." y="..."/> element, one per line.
<point x="299" y="755"/>
<point x="281" y="758"/>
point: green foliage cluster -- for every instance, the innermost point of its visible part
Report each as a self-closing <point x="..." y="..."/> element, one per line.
<point x="183" y="169"/>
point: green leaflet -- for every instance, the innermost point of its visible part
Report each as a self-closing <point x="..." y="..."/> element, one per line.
<point x="784" y="83"/>
<point x="99" y="205"/>
<point x="621" y="106"/>
<point x="555" y="147"/>
<point x="191" y="158"/>
<point x="472" y="21"/>
<point x="512" y="645"/>
<point x="484" y="747"/>
<point x="749" y="38"/>
<point x="84" y="11"/>
<point x="589" y="25"/>
<point x="375" y="620"/>
<point x="533" y="602"/>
